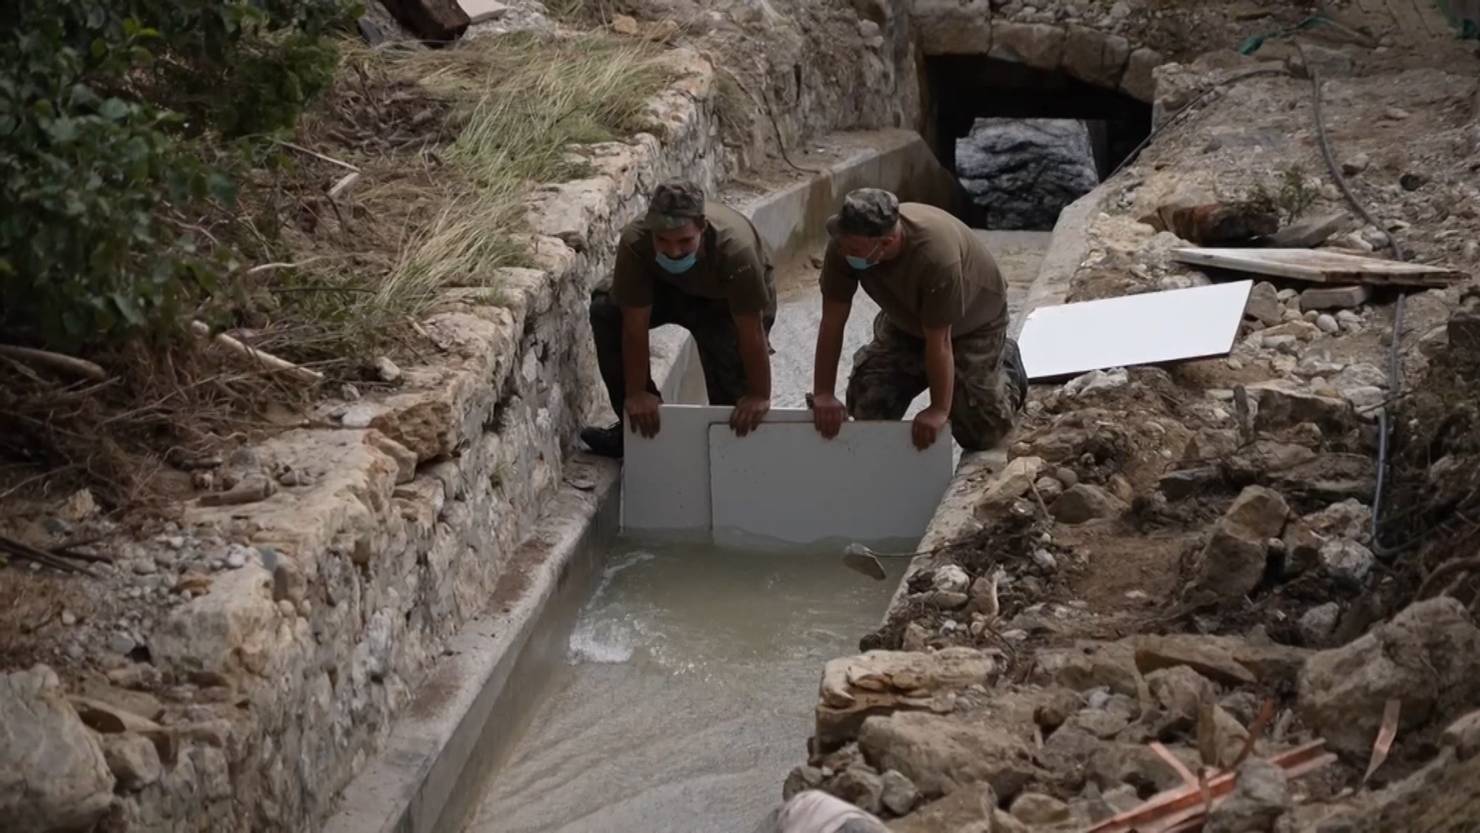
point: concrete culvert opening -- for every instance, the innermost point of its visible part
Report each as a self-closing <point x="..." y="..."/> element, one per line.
<point x="1026" y="142"/>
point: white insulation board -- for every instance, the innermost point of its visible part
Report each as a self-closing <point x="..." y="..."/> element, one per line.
<point x="1069" y="339"/>
<point x="665" y="479"/>
<point x="788" y="484"/>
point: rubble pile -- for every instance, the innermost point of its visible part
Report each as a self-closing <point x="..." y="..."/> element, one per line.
<point x="1175" y="578"/>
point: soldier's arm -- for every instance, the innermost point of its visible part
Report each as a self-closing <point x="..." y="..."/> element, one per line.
<point x="641" y="405"/>
<point x="829" y="346"/>
<point x="940" y="367"/>
<point x="755" y="354"/>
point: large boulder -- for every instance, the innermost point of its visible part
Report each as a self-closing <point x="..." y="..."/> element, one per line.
<point x="1226" y="660"/>
<point x="879" y="682"/>
<point x="53" y="775"/>
<point x="1023" y="172"/>
<point x="941" y="753"/>
<point x="1087" y="664"/>
<point x="1427" y="657"/>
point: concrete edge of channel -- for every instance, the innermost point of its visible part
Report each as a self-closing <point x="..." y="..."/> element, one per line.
<point x="409" y="784"/>
<point x="954" y="515"/>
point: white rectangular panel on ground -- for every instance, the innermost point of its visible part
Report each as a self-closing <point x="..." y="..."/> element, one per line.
<point x="665" y="479"/>
<point x="1069" y="339"/>
<point x="787" y="484"/>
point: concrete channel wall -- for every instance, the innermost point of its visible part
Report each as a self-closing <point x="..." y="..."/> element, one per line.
<point x="472" y="703"/>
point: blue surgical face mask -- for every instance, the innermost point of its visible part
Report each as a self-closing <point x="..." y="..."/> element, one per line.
<point x="867" y="262"/>
<point x="679" y="265"/>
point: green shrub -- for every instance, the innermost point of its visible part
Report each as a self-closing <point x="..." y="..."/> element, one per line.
<point x="107" y="111"/>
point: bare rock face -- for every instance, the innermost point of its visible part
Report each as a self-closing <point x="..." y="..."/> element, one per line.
<point x="1428" y="657"/>
<point x="53" y="775"/>
<point x="1025" y="171"/>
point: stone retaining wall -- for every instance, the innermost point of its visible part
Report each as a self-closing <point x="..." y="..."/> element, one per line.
<point x="319" y="608"/>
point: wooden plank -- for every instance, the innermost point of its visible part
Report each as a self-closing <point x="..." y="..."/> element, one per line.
<point x="1318" y="266"/>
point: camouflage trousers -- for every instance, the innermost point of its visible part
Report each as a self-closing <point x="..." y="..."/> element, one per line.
<point x="889" y="372"/>
<point x="708" y="320"/>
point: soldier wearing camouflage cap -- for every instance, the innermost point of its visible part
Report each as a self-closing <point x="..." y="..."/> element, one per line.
<point x="701" y="265"/>
<point x="942" y="324"/>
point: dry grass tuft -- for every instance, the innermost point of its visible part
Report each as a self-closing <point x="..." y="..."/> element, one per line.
<point x="447" y="142"/>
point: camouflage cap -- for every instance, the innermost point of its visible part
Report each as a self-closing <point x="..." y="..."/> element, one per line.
<point x="866" y="212"/>
<point x="675" y="203"/>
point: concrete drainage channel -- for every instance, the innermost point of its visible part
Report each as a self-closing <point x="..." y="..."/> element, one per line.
<point x="505" y="733"/>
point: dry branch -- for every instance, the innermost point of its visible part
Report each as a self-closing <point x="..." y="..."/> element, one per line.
<point x="297" y="372"/>
<point x="55" y="361"/>
<point x="301" y="149"/>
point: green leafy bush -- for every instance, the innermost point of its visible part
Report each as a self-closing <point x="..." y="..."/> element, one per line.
<point x="115" y="117"/>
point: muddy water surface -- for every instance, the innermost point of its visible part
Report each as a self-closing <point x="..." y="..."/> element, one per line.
<point x="686" y="692"/>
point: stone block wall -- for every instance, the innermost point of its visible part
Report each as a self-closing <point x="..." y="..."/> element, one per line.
<point x="1097" y="49"/>
<point x="316" y="611"/>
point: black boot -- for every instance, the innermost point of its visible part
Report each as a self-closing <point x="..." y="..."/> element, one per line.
<point x="1017" y="375"/>
<point x="606" y="442"/>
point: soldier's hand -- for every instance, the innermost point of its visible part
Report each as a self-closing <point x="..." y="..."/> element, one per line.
<point x="642" y="413"/>
<point x="748" y="414"/>
<point x="927" y="426"/>
<point x="828" y="414"/>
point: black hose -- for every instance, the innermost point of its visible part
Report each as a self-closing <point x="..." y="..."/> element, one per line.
<point x="1395" y="369"/>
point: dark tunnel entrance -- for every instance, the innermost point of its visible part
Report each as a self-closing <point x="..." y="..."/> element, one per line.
<point x="1025" y="142"/>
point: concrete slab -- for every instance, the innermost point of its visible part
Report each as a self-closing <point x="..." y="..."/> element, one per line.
<point x="1070" y="339"/>
<point x="787" y="484"/>
<point x="665" y="479"/>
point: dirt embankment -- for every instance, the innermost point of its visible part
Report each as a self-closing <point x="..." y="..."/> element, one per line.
<point x="1186" y="556"/>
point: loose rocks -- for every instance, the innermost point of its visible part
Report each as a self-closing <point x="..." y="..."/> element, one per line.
<point x="1260" y="796"/>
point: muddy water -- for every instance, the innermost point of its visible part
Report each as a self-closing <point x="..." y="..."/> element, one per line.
<point x="686" y="692"/>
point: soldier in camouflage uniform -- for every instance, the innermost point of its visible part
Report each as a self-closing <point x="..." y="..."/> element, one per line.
<point x="942" y="324"/>
<point x="700" y="265"/>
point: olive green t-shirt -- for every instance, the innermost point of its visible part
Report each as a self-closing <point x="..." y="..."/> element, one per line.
<point x="943" y="275"/>
<point x="733" y="265"/>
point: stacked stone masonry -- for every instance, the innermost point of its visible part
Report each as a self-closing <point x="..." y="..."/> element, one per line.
<point x="284" y="678"/>
<point x="1093" y="54"/>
